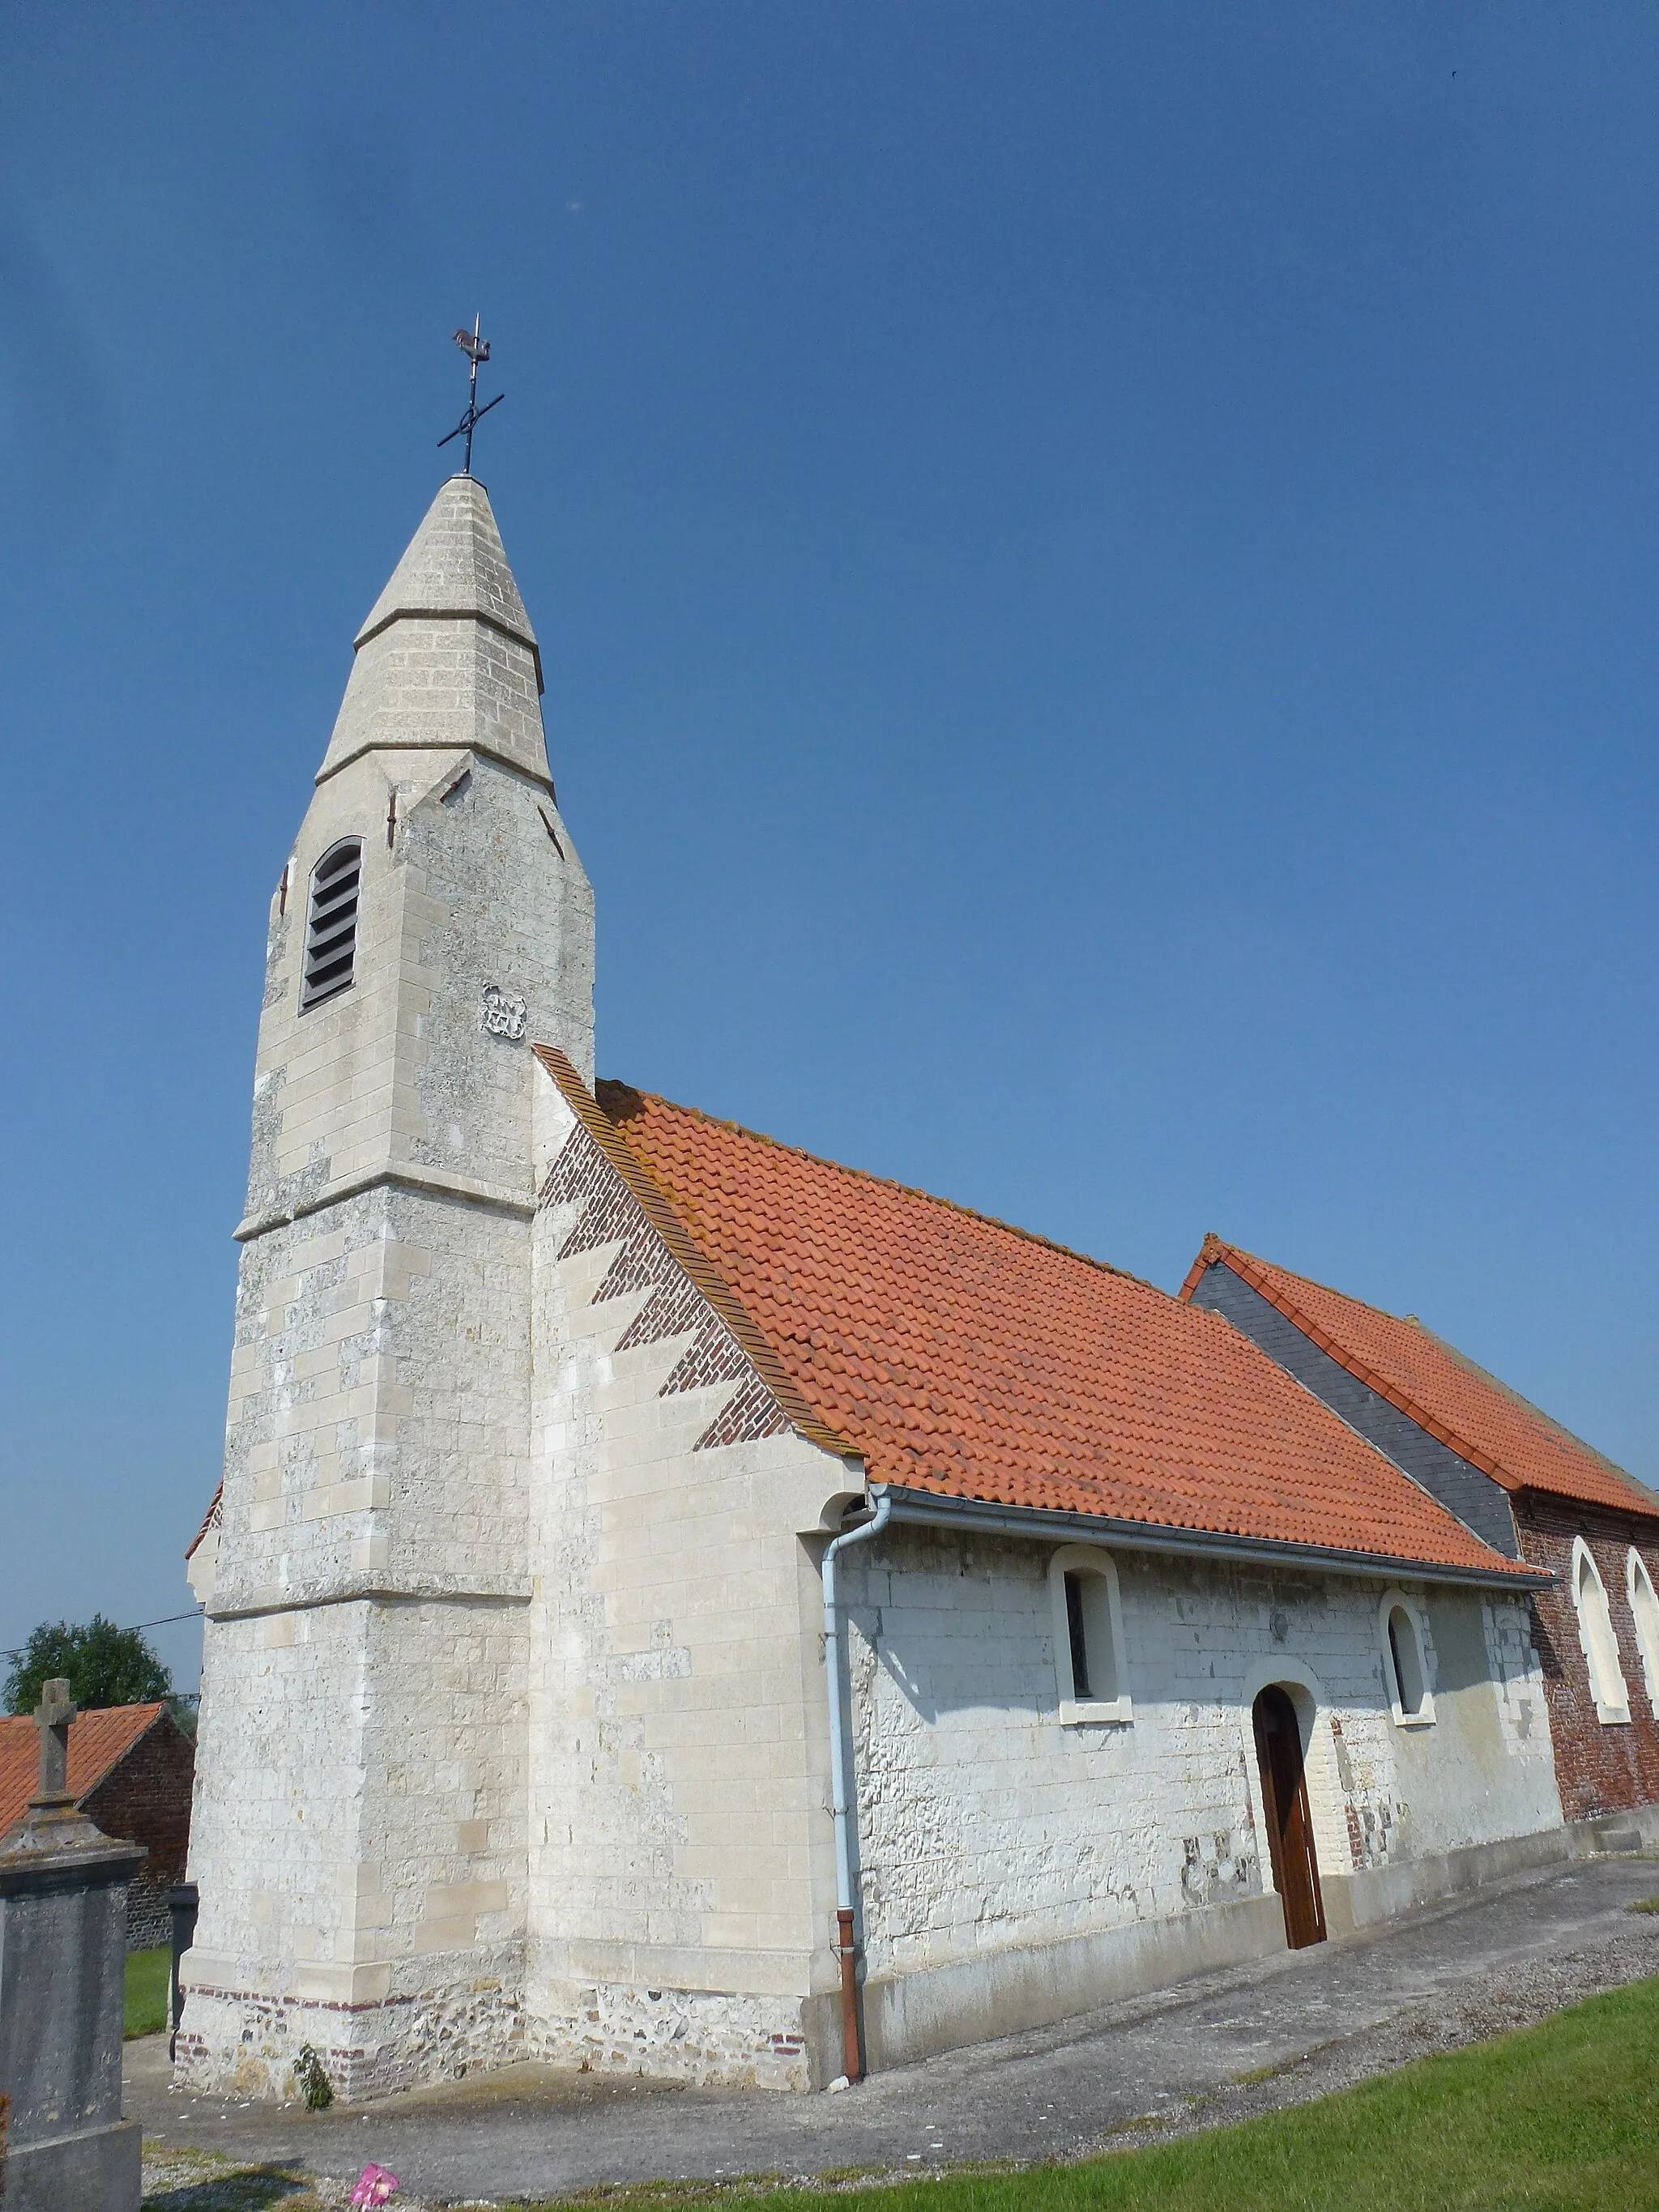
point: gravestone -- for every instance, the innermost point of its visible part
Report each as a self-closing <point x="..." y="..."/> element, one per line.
<point x="63" y="1963"/>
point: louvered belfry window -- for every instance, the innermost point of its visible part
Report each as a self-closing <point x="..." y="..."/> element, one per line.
<point x="331" y="923"/>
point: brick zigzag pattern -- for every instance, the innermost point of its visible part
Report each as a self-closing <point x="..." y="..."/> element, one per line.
<point x="582" y="1176"/>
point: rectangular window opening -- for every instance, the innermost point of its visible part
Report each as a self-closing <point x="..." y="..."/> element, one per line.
<point x="1079" y="1638"/>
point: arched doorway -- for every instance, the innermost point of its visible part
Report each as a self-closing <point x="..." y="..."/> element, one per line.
<point x="1290" y="1824"/>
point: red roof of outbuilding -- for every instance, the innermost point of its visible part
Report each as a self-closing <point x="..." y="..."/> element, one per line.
<point x="957" y="1355"/>
<point x="1471" y="1412"/>
<point x="97" y="1741"/>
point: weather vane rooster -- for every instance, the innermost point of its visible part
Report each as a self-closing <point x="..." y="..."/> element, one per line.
<point x="476" y="350"/>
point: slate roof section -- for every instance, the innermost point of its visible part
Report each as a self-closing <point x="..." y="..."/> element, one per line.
<point x="98" y="1740"/>
<point x="956" y="1355"/>
<point x="1469" y="1411"/>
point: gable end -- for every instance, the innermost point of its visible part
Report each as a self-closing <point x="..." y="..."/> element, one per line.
<point x="607" y="1213"/>
<point x="1479" y="1503"/>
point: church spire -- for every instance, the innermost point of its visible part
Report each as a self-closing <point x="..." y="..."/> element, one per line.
<point x="379" y="1502"/>
<point x="455" y="565"/>
<point x="447" y="657"/>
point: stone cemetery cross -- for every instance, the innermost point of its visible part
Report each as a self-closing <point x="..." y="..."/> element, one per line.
<point x="52" y="1718"/>
<point x="63" y="1955"/>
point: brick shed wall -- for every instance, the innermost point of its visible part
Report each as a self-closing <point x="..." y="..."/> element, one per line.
<point x="1600" y="1767"/>
<point x="146" y="1798"/>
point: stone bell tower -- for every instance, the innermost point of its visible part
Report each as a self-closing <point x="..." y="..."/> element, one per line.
<point x="358" y="1831"/>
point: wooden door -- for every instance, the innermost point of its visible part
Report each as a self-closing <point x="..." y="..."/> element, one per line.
<point x="1289" y="1826"/>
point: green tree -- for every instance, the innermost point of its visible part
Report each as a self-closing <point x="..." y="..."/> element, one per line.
<point x="103" y="1665"/>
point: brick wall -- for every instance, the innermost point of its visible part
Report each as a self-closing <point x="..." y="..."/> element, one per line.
<point x="145" y="1798"/>
<point x="1600" y="1767"/>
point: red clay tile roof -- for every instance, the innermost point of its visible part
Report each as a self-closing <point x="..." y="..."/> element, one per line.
<point x="210" y="1519"/>
<point x="957" y="1355"/>
<point x="1472" y="1412"/>
<point x="97" y="1741"/>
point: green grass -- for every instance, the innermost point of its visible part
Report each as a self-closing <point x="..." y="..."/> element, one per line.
<point x="1646" y="1905"/>
<point x="1562" y="2117"/>
<point x="148" y="1976"/>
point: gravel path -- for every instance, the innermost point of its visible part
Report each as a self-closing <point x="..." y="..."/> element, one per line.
<point x="1214" y="2051"/>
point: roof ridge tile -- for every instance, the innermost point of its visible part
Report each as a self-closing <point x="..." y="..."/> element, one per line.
<point x="883" y="1182"/>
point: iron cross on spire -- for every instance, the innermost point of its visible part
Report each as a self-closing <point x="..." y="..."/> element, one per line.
<point x="476" y="350"/>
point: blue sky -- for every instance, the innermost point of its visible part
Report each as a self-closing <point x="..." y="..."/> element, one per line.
<point x="1098" y="569"/>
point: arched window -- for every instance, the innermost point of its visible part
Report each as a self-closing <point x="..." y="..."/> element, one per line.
<point x="1644" y="1608"/>
<point x="1405" y="1671"/>
<point x="1600" y="1645"/>
<point x="331" y="923"/>
<point x="1088" y="1617"/>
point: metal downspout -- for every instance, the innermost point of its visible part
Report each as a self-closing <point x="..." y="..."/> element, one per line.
<point x="843" y="1795"/>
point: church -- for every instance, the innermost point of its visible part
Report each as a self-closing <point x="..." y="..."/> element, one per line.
<point x="678" y="1604"/>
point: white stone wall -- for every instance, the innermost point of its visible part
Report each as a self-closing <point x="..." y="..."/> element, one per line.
<point x="1485" y="1769"/>
<point x="368" y="1900"/>
<point x="379" y="1413"/>
<point x="359" y="1835"/>
<point x="398" y="1072"/>
<point x="986" y="1825"/>
<point x="681" y="1866"/>
<point x="422" y="683"/>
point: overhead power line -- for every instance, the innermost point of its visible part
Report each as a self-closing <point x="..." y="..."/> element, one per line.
<point x="195" y="1613"/>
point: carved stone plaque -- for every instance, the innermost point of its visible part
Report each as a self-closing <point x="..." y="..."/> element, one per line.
<point x="504" y="1015"/>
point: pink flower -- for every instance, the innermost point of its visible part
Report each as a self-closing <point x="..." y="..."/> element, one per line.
<point x="375" y="2186"/>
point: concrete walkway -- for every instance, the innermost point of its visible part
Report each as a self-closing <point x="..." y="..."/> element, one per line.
<point x="1218" y="2048"/>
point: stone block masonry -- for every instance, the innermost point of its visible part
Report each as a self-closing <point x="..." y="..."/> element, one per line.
<point x="360" y="1447"/>
<point x="359" y="1836"/>
<point x="682" y="1883"/>
<point x="713" y="2038"/>
<point x="989" y="1829"/>
<point x="243" y="2043"/>
<point x="372" y="1902"/>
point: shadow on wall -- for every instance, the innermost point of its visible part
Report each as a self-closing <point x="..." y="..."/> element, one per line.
<point x="1459" y="1645"/>
<point x="1549" y="1658"/>
<point x="910" y="1675"/>
<point x="1006" y="1616"/>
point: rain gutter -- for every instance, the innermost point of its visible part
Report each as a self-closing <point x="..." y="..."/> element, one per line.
<point x="1035" y="1523"/>
<point x="843" y="1791"/>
